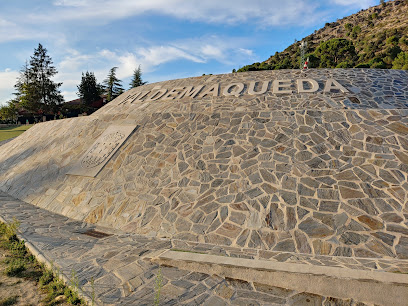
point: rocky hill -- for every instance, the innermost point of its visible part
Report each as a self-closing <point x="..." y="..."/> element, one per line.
<point x="373" y="38"/>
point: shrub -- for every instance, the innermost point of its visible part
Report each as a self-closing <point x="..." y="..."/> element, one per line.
<point x="344" y="64"/>
<point x="392" y="40"/>
<point x="46" y="278"/>
<point x="72" y="296"/>
<point x="401" y="61"/>
<point x="356" y="30"/>
<point x="364" y="65"/>
<point x="9" y="301"/>
<point x="15" y="267"/>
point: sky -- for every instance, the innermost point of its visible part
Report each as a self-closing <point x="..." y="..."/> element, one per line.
<point x="169" y="39"/>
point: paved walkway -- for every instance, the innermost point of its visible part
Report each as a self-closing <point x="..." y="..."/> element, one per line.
<point x="124" y="275"/>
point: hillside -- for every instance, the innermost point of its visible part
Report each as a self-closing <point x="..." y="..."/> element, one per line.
<point x="373" y="38"/>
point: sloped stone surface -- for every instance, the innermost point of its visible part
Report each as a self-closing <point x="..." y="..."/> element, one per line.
<point x="301" y="172"/>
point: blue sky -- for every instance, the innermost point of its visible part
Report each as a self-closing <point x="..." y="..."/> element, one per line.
<point x="169" y="38"/>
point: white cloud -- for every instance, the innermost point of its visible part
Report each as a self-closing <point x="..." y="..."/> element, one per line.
<point x="356" y="3"/>
<point x="10" y="31"/>
<point x="69" y="95"/>
<point x="7" y="80"/>
<point x="75" y="3"/>
<point x="263" y="12"/>
<point x="162" y="54"/>
<point x="212" y="51"/>
<point x="246" y="51"/>
<point x="200" y="50"/>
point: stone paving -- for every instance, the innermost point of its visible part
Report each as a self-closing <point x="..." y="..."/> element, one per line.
<point x="124" y="275"/>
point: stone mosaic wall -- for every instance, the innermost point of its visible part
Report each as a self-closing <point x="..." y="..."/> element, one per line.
<point x="320" y="173"/>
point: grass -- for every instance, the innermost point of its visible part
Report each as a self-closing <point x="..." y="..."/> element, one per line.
<point x="10" y="132"/>
<point x="158" y="286"/>
<point x="187" y="251"/>
<point x="20" y="263"/>
<point x="9" y="301"/>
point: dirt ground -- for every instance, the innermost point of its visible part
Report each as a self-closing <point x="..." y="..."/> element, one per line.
<point x="24" y="288"/>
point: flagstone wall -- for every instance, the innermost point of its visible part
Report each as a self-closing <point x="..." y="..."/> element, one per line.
<point x="317" y="170"/>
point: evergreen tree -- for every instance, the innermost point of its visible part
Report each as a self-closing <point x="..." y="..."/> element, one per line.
<point x="336" y="51"/>
<point x="89" y="90"/>
<point x="26" y="94"/>
<point x="36" y="90"/>
<point x="137" y="78"/>
<point x="113" y="86"/>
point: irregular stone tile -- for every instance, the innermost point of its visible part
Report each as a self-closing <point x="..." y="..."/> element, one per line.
<point x="255" y="240"/>
<point x="265" y="298"/>
<point x="397" y="229"/>
<point x="315" y="229"/>
<point x="384" y="237"/>
<point x="343" y="251"/>
<point x="351" y="238"/>
<point x="392" y="217"/>
<point x="285" y="245"/>
<point x="371" y="222"/>
<point x="229" y="230"/>
<point x="402" y="248"/>
<point x="305" y="299"/>
<point x="289" y="197"/>
<point x="379" y="248"/>
<point x="302" y="244"/>
<point x="348" y="193"/>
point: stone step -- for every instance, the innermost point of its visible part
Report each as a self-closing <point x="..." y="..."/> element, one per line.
<point x="380" y="288"/>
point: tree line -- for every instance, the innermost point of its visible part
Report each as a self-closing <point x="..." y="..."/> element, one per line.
<point x="36" y="94"/>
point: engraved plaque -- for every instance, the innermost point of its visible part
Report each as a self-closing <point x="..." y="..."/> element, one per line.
<point x="102" y="150"/>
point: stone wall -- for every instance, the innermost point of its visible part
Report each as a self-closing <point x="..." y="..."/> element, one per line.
<point x="319" y="172"/>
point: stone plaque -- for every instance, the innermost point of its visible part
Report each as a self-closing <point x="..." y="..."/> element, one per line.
<point x="102" y="150"/>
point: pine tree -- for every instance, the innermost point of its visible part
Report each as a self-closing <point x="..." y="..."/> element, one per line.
<point x="26" y="94"/>
<point x="37" y="90"/>
<point x="113" y="86"/>
<point x="137" y="78"/>
<point x="89" y="90"/>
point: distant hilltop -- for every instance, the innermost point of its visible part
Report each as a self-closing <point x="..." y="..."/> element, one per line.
<point x="373" y="38"/>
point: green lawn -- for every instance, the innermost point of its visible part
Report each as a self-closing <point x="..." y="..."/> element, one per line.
<point x="10" y="132"/>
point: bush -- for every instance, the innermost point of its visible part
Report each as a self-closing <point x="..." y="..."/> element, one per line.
<point x="15" y="267"/>
<point x="55" y="288"/>
<point x="392" y="51"/>
<point x="72" y="296"/>
<point x="46" y="278"/>
<point x="392" y="40"/>
<point x="364" y="65"/>
<point x="403" y="41"/>
<point x="9" y="301"/>
<point x="379" y="65"/>
<point x="356" y="30"/>
<point x="344" y="64"/>
<point x="401" y="61"/>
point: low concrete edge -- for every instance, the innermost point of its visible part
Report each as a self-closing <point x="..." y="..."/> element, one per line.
<point x="381" y="288"/>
